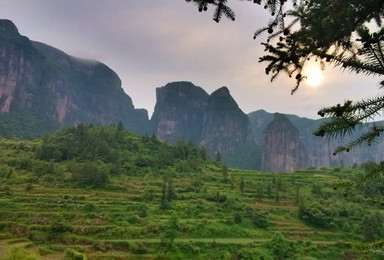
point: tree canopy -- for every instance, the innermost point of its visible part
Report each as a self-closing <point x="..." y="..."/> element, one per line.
<point x="348" y="34"/>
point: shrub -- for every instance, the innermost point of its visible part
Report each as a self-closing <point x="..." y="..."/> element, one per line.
<point x="254" y="254"/>
<point x="90" y="174"/>
<point x="58" y="227"/>
<point x="372" y="226"/>
<point x="28" y="187"/>
<point x="72" y="254"/>
<point x="279" y="246"/>
<point x="89" y="207"/>
<point x="139" y="248"/>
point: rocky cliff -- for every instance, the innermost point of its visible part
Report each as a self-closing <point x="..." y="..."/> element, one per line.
<point x="185" y="111"/>
<point x="42" y="89"/>
<point x="225" y="125"/>
<point x="281" y="146"/>
<point x="179" y="112"/>
<point x="314" y="151"/>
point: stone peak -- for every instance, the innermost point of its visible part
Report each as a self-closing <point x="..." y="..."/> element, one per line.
<point x="184" y="89"/>
<point x="281" y="120"/>
<point x="8" y="26"/>
<point x="223" y="91"/>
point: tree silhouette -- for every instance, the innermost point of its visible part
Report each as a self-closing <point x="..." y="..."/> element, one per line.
<point x="347" y="34"/>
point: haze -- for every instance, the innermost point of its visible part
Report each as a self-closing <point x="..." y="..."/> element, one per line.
<point x="150" y="43"/>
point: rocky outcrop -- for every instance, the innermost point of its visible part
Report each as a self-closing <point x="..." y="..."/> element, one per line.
<point x="319" y="150"/>
<point x="59" y="90"/>
<point x="314" y="151"/>
<point x="225" y="125"/>
<point x="179" y="112"/>
<point x="281" y="146"/>
<point x="185" y="111"/>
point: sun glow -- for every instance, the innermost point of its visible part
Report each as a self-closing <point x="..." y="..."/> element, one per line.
<point x="314" y="76"/>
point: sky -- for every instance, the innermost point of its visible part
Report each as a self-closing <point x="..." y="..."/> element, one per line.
<point x="149" y="43"/>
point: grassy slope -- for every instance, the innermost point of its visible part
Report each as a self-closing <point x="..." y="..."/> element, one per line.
<point x="125" y="219"/>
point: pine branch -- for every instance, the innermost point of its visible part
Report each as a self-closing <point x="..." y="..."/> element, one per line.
<point x="368" y="137"/>
<point x="376" y="171"/>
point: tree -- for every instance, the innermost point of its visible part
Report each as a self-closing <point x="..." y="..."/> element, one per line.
<point x="372" y="227"/>
<point x="338" y="33"/>
<point x="218" y="158"/>
<point x="297" y="195"/>
<point x="120" y="126"/>
<point x="90" y="174"/>
<point x="279" y="246"/>
<point x="259" y="191"/>
<point x="164" y="203"/>
<point x="172" y="228"/>
<point x="224" y="170"/>
<point x="171" y="194"/>
<point x="242" y="185"/>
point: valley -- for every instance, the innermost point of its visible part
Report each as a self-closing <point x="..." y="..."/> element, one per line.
<point x="165" y="210"/>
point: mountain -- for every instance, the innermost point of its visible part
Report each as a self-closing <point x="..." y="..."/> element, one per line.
<point x="179" y="112"/>
<point x="225" y="125"/>
<point x="185" y="111"/>
<point x="281" y="146"/>
<point x="314" y="151"/>
<point x="43" y="89"/>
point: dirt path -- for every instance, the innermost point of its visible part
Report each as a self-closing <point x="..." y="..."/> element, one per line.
<point x="257" y="204"/>
<point x="121" y="193"/>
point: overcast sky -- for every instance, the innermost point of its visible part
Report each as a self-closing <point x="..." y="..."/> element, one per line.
<point x="152" y="42"/>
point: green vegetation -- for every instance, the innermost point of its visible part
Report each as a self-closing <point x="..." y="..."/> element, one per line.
<point x="24" y="124"/>
<point x="101" y="192"/>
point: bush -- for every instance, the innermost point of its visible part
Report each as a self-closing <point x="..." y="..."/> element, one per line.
<point x="29" y="187"/>
<point x="372" y="226"/>
<point x="89" y="207"/>
<point x="90" y="174"/>
<point x="318" y="215"/>
<point x="254" y="254"/>
<point x="139" y="248"/>
<point x="257" y="218"/>
<point x="59" y="226"/>
<point x="72" y="254"/>
<point x="280" y="246"/>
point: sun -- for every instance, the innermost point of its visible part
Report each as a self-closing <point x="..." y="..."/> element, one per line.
<point x="314" y="76"/>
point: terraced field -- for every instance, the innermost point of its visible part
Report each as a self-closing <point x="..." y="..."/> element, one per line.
<point x="128" y="220"/>
<point x="113" y="195"/>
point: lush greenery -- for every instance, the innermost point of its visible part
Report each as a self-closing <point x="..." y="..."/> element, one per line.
<point x="102" y="192"/>
<point x="24" y="124"/>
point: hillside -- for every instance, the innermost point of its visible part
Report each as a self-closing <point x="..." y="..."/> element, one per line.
<point x="105" y="192"/>
<point x="43" y="89"/>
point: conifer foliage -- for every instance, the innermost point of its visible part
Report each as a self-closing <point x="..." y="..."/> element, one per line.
<point x="348" y="34"/>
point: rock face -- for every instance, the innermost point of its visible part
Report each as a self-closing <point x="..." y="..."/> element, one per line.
<point x="281" y="146"/>
<point x="225" y="125"/>
<point x="185" y="111"/>
<point x="53" y="89"/>
<point x="319" y="150"/>
<point x="179" y="112"/>
<point x="314" y="151"/>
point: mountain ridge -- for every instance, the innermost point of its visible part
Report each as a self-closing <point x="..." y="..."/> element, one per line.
<point x="43" y="89"/>
<point x="57" y="90"/>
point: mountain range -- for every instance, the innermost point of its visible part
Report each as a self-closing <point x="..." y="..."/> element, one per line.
<point x="43" y="89"/>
